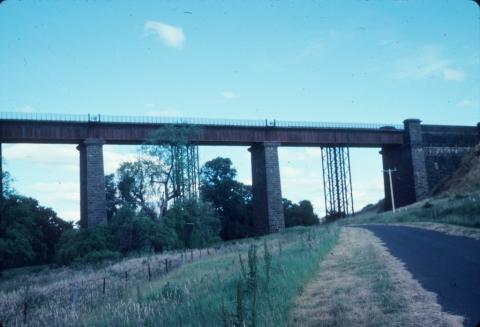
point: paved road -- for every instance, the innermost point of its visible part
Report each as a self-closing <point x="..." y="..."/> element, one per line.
<point x="446" y="265"/>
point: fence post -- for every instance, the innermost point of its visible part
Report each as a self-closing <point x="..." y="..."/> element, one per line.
<point x="149" y="273"/>
<point x="126" y="276"/>
<point x="74" y="296"/>
<point x="25" y="313"/>
<point x="103" y="289"/>
<point x="166" y="265"/>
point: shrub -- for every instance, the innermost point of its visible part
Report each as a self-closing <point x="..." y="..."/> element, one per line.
<point x="97" y="256"/>
<point x="76" y="245"/>
<point x="196" y="223"/>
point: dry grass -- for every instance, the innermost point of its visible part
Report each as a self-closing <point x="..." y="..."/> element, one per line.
<point x="361" y="284"/>
<point x="193" y="293"/>
<point x="51" y="293"/>
<point x="466" y="178"/>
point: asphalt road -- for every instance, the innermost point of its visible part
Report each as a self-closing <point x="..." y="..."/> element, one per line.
<point x="446" y="265"/>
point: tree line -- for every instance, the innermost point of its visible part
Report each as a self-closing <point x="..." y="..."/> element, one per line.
<point x="144" y="215"/>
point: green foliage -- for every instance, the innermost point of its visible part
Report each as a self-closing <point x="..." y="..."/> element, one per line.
<point x="456" y="210"/>
<point x="231" y="199"/>
<point x="300" y="214"/>
<point x="172" y="292"/>
<point x="137" y="232"/>
<point x="195" y="223"/>
<point x="80" y="245"/>
<point x="111" y="198"/>
<point x="28" y="232"/>
<point x="98" y="256"/>
<point x="7" y="188"/>
<point x="137" y="185"/>
<point x="177" y="135"/>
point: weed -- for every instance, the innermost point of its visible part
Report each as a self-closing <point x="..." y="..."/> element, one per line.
<point x="267" y="257"/>
<point x="199" y="293"/>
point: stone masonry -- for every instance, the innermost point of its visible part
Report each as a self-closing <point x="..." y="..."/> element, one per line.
<point x="1" y="177"/>
<point x="266" y="187"/>
<point x="414" y="149"/>
<point x="410" y="178"/>
<point x="93" y="210"/>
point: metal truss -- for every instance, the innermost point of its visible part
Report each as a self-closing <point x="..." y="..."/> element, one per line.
<point x="337" y="182"/>
<point x="185" y="171"/>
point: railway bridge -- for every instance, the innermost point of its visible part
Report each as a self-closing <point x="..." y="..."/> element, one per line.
<point x="422" y="154"/>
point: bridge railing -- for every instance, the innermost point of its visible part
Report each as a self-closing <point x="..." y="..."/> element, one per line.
<point x="85" y="118"/>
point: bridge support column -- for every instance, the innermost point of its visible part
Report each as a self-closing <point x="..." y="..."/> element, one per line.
<point x="93" y="210"/>
<point x="268" y="216"/>
<point x="1" y="177"/>
<point x="410" y="182"/>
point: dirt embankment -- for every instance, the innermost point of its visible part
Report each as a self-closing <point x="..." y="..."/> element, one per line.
<point x="466" y="178"/>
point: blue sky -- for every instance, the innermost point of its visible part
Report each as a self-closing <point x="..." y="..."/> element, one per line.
<point x="343" y="61"/>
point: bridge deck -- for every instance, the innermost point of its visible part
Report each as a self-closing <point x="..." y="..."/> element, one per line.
<point x="72" y="129"/>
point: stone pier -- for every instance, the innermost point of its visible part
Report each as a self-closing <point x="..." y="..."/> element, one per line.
<point x="410" y="182"/>
<point x="268" y="214"/>
<point x="1" y="177"/>
<point x="92" y="184"/>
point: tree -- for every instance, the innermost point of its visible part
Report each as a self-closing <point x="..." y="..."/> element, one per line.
<point x="6" y="185"/>
<point x="231" y="199"/>
<point x="169" y="146"/>
<point x="136" y="232"/>
<point x="196" y="223"/>
<point x="300" y="214"/>
<point x="112" y="201"/>
<point x="28" y="232"/>
<point x="138" y="187"/>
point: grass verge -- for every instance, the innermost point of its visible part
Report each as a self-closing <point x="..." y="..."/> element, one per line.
<point x="455" y="215"/>
<point x="205" y="292"/>
<point x="361" y="284"/>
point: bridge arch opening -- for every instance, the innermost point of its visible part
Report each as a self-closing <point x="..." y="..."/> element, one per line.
<point x="302" y="176"/>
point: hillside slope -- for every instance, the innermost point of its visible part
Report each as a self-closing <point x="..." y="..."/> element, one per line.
<point x="466" y="178"/>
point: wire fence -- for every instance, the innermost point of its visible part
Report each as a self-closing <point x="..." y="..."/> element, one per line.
<point x="86" y="289"/>
<point x="97" y="118"/>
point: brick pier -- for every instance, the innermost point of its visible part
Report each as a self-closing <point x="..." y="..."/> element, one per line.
<point x="267" y="190"/>
<point x="93" y="210"/>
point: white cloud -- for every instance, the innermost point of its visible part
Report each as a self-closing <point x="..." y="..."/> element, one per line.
<point x="290" y="172"/>
<point x="57" y="191"/>
<point x="169" y="112"/>
<point x="229" y="95"/>
<point x="313" y="152"/>
<point x="57" y="155"/>
<point x="171" y="35"/>
<point x="112" y="160"/>
<point x="62" y="156"/>
<point x="63" y="197"/>
<point x="69" y="215"/>
<point x="450" y="74"/>
<point x="426" y="63"/>
<point x="465" y="103"/>
<point x="26" y="109"/>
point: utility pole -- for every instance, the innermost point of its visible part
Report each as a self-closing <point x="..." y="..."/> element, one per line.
<point x="390" y="171"/>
